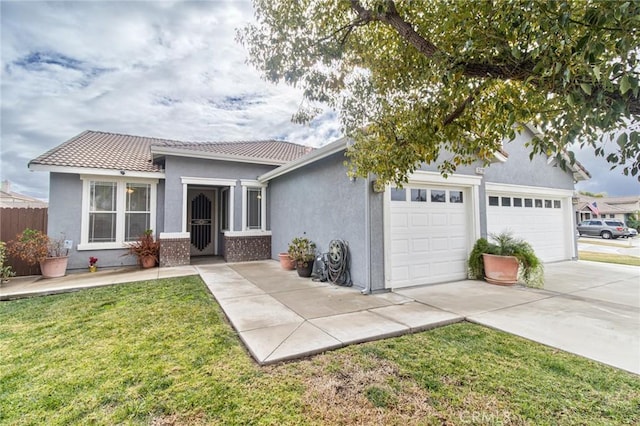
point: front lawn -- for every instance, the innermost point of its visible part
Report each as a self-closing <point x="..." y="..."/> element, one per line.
<point x="619" y="259"/>
<point x="160" y="353"/>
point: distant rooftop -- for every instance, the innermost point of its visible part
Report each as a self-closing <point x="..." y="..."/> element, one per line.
<point x="12" y="199"/>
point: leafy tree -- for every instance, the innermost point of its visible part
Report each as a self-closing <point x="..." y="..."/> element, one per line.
<point x="448" y="80"/>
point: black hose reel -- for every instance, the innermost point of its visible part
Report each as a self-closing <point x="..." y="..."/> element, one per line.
<point x="333" y="266"/>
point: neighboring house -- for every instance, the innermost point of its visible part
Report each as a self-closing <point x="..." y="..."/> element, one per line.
<point x="247" y="200"/>
<point x="619" y="208"/>
<point x="14" y="200"/>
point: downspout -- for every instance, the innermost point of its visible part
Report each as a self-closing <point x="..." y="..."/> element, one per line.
<point x="367" y="235"/>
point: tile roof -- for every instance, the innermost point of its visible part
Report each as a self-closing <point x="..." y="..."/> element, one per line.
<point x="101" y="150"/>
<point x="602" y="207"/>
<point x="266" y="149"/>
<point x="629" y="204"/>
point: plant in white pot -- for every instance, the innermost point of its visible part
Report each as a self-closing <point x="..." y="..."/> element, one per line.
<point x="34" y="247"/>
<point x="303" y="252"/>
<point x="505" y="261"/>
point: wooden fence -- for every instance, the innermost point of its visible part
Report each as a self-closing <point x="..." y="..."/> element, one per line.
<point x="15" y="220"/>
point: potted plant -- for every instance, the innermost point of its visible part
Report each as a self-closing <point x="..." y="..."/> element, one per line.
<point x="6" y="271"/>
<point x="286" y="262"/>
<point x="505" y="261"/>
<point x="146" y="249"/>
<point x="92" y="264"/>
<point x="303" y="253"/>
<point x="33" y="247"/>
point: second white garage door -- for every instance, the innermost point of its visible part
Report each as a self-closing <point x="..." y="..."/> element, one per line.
<point x="541" y="219"/>
<point x="428" y="235"/>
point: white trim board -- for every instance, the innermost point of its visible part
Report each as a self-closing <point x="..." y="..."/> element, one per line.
<point x="96" y="171"/>
<point x="532" y="190"/>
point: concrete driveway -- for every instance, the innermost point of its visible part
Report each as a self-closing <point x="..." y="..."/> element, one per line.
<point x="587" y="308"/>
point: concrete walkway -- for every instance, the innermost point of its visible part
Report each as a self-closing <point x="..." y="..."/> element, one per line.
<point x="280" y="316"/>
<point x="35" y="285"/>
<point x="587" y="308"/>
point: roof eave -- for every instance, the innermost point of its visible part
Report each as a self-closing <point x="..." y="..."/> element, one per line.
<point x="580" y="173"/>
<point x="160" y="151"/>
<point x="94" y="171"/>
<point x="316" y="155"/>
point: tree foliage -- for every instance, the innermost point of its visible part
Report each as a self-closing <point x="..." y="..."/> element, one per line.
<point x="448" y="80"/>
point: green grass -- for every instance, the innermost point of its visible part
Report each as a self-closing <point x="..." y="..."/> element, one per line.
<point x="160" y="352"/>
<point x="620" y="259"/>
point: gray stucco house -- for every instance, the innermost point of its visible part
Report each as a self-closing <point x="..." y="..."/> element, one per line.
<point x="247" y="200"/>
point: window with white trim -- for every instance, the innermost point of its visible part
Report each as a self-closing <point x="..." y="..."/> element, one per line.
<point x="224" y="209"/>
<point x="254" y="205"/>
<point x="115" y="211"/>
<point x="254" y="208"/>
<point x="138" y="210"/>
<point x="102" y="212"/>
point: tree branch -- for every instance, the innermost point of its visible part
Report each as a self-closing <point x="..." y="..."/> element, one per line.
<point x="460" y="109"/>
<point x="519" y="72"/>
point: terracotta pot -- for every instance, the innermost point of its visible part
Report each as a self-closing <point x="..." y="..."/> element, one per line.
<point x="54" y="267"/>
<point x="500" y="270"/>
<point x="304" y="268"/>
<point x="286" y="262"/>
<point x="147" y="262"/>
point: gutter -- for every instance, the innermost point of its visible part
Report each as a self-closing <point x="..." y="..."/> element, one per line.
<point x="367" y="236"/>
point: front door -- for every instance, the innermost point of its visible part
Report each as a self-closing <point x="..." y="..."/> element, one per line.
<point x="201" y="221"/>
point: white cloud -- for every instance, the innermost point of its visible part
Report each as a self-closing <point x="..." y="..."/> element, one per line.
<point x="167" y="69"/>
<point x="163" y="69"/>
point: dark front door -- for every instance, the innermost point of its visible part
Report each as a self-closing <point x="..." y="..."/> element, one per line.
<point x="201" y="221"/>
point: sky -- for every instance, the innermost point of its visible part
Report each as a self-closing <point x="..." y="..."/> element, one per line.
<point x="167" y="69"/>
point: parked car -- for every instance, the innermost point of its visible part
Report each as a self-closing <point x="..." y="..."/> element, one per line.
<point x="632" y="233"/>
<point x="606" y="229"/>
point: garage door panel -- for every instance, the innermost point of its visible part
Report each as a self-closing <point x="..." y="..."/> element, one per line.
<point x="458" y="243"/>
<point x="420" y="245"/>
<point x="419" y="219"/>
<point x="439" y="219"/>
<point x="542" y="227"/>
<point x="400" y="247"/>
<point x="400" y="221"/>
<point x="400" y="273"/>
<point x="421" y="271"/>
<point x="429" y="241"/>
<point x="446" y="271"/>
<point x="439" y="244"/>
<point x="457" y="220"/>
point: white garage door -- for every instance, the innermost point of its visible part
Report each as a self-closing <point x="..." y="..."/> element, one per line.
<point x="540" y="220"/>
<point x="428" y="235"/>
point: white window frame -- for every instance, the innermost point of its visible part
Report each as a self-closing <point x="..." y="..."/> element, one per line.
<point x="254" y="184"/>
<point x="225" y="193"/>
<point x="121" y="184"/>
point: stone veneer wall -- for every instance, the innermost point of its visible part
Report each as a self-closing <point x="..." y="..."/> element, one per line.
<point x="244" y="248"/>
<point x="175" y="249"/>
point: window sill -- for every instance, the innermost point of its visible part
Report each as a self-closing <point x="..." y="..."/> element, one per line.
<point x="249" y="233"/>
<point x="102" y="246"/>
